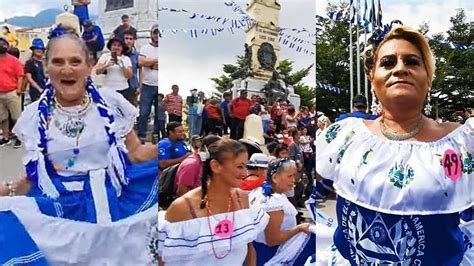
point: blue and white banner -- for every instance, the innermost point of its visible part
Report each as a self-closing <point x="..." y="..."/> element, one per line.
<point x="330" y="88"/>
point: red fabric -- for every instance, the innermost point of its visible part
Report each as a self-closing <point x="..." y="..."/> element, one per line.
<point x="189" y="172"/>
<point x="240" y="107"/>
<point x="213" y="112"/>
<point x="174" y="104"/>
<point x="10" y="71"/>
<point x="251" y="184"/>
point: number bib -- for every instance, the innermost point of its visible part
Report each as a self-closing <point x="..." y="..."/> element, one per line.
<point x="452" y="164"/>
<point x="224" y="228"/>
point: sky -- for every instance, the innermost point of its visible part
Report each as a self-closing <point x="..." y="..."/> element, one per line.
<point x="413" y="12"/>
<point x="30" y="8"/>
<point x="191" y="62"/>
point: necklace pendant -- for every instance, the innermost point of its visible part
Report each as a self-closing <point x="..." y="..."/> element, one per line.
<point x="70" y="163"/>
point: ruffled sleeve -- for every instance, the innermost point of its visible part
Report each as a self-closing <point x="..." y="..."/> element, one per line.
<point x="329" y="145"/>
<point x="26" y="128"/>
<point x="399" y="177"/>
<point x="191" y="240"/>
<point x="124" y="112"/>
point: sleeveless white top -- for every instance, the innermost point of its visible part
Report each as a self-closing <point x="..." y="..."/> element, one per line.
<point x="191" y="242"/>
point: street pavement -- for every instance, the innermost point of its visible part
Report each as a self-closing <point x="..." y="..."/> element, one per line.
<point x="328" y="207"/>
<point x="10" y="163"/>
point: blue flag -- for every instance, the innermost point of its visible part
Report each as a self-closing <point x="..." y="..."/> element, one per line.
<point x="372" y="18"/>
<point x="366" y="20"/>
<point x="379" y="17"/>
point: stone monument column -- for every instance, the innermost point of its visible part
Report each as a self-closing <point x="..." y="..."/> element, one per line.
<point x="262" y="38"/>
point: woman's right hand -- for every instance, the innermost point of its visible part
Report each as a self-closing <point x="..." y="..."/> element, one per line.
<point x="304" y="227"/>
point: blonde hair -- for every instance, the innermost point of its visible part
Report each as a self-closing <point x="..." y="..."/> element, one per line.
<point x="407" y="34"/>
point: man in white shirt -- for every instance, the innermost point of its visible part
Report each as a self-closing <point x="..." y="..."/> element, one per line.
<point x="148" y="60"/>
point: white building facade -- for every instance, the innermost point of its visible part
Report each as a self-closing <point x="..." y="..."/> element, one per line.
<point x="143" y="15"/>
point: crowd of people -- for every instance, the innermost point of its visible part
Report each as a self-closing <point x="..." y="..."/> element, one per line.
<point x="260" y="151"/>
<point x="90" y="188"/>
<point x="281" y="126"/>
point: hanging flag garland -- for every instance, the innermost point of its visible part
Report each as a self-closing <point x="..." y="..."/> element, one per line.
<point x="244" y="22"/>
<point x="330" y="88"/>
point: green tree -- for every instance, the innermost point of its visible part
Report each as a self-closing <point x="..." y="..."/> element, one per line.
<point x="332" y="64"/>
<point x="453" y="86"/>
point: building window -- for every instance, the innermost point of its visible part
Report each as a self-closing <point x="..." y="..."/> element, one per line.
<point x="118" y="4"/>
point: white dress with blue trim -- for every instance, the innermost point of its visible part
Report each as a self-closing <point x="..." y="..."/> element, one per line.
<point x="400" y="201"/>
<point x="82" y="208"/>
<point x="191" y="243"/>
<point x="294" y="251"/>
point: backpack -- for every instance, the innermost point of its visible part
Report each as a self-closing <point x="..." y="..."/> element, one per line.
<point x="166" y="188"/>
<point x="166" y="185"/>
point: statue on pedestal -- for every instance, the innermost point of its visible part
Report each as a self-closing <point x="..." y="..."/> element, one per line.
<point x="246" y="70"/>
<point x="273" y="89"/>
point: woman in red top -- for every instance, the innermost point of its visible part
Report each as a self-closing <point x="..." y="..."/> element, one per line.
<point x="214" y="125"/>
<point x="257" y="171"/>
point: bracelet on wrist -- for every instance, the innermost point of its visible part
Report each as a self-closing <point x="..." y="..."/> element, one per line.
<point x="11" y="188"/>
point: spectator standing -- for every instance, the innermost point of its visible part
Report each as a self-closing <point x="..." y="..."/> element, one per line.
<point x="125" y="26"/>
<point x="291" y="119"/>
<point x="161" y="117"/>
<point x="172" y="150"/>
<point x="195" y="108"/>
<point x="305" y="146"/>
<point x="94" y="38"/>
<point x="239" y="110"/>
<point x="11" y="82"/>
<point x="295" y="154"/>
<point x="359" y="110"/>
<point x="10" y="37"/>
<point x="81" y="10"/>
<point x="174" y="105"/>
<point x="214" y="125"/>
<point x="205" y="116"/>
<point x="225" y="112"/>
<point x="148" y="60"/>
<point x="135" y="82"/>
<point x="34" y="70"/>
<point x="116" y="66"/>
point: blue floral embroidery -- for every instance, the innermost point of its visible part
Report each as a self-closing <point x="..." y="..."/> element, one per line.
<point x="400" y="175"/>
<point x="467" y="164"/>
<point x="344" y="147"/>
<point x="331" y="133"/>
<point x="367" y="155"/>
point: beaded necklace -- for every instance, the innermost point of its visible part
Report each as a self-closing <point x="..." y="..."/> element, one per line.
<point x="218" y="228"/>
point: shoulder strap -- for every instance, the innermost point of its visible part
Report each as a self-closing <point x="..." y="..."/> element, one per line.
<point x="367" y="116"/>
<point x="238" y="199"/>
<point x="350" y="115"/>
<point x="191" y="209"/>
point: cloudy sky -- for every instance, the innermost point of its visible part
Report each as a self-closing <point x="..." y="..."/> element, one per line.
<point x="11" y="8"/>
<point x="191" y="62"/>
<point x="414" y="12"/>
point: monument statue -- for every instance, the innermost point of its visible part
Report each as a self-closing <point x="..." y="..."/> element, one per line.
<point x="246" y="70"/>
<point x="258" y="73"/>
<point x="273" y="89"/>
